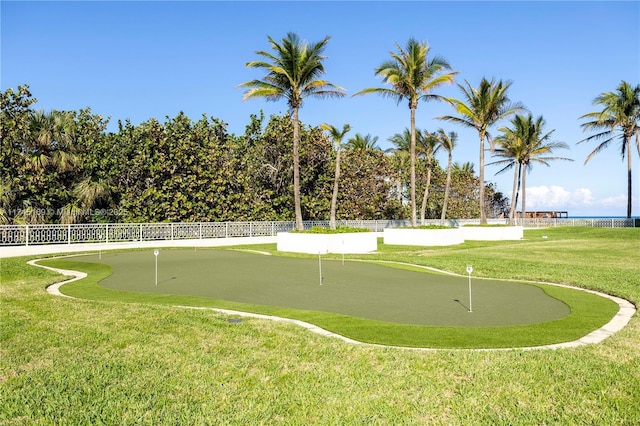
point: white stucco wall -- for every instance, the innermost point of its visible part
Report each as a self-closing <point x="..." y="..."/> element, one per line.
<point x="357" y="242"/>
<point x="423" y="237"/>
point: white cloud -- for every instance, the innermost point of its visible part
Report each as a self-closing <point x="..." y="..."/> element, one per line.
<point x="579" y="202"/>
<point x="615" y="201"/>
<point x="556" y="198"/>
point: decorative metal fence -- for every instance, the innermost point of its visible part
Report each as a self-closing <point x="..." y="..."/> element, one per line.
<point x="602" y="222"/>
<point x="12" y="235"/>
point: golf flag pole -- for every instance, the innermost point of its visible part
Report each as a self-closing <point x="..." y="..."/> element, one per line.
<point x="156" y="253"/>
<point x="320" y="267"/>
<point x="469" y="271"/>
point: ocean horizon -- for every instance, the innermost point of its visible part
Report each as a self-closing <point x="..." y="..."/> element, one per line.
<point x="603" y="217"/>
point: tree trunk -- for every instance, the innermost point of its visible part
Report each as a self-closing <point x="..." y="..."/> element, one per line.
<point x="296" y="170"/>
<point x="334" y="197"/>
<point x="629" y="192"/>
<point x="446" y="190"/>
<point x="412" y="155"/>
<point x="483" y="214"/>
<point x="425" y="197"/>
<point x="524" y="192"/>
<point x="512" y="209"/>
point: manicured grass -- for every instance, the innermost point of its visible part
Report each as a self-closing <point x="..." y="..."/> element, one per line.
<point x="67" y="361"/>
<point x="401" y="306"/>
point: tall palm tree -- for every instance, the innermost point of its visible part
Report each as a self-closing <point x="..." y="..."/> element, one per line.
<point x="293" y="71"/>
<point x="412" y="76"/>
<point x="510" y="147"/>
<point x="336" y="135"/>
<point x="621" y="111"/>
<point x="365" y="143"/>
<point x="448" y="142"/>
<point x="481" y="109"/>
<point x="526" y="143"/>
<point x="427" y="146"/>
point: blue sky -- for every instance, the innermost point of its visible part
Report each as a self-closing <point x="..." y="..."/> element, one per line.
<point x="147" y="59"/>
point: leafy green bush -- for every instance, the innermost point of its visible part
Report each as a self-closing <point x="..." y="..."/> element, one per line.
<point x="338" y="230"/>
<point x="489" y="225"/>
<point x="428" y="227"/>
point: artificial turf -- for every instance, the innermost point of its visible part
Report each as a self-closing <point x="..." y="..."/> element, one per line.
<point x="356" y="289"/>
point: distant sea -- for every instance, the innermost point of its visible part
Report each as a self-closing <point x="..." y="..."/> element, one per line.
<point x="602" y="217"/>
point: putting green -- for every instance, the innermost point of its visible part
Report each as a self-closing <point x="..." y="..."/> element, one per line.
<point x="356" y="289"/>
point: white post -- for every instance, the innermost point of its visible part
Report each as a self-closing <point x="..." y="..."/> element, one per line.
<point x="26" y="235"/>
<point x="469" y="271"/>
<point x="320" y="267"/>
<point x="156" y="253"/>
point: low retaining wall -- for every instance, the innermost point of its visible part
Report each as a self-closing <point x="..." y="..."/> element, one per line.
<point x="354" y="243"/>
<point x="14" y="251"/>
<point x="492" y="233"/>
<point x="423" y="237"/>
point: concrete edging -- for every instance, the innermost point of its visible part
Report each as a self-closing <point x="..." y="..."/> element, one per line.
<point x="617" y="323"/>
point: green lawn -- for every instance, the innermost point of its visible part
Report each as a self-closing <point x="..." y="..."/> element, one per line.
<point x="66" y="361"/>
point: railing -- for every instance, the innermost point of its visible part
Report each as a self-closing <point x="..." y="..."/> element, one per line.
<point x="12" y="235"/>
<point x="602" y="222"/>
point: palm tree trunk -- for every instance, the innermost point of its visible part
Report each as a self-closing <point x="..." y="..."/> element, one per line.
<point x="334" y="197"/>
<point x="296" y="170"/>
<point x="425" y="197"/>
<point x="524" y="192"/>
<point x="412" y="155"/>
<point x="483" y="214"/>
<point x="629" y="193"/>
<point x="512" y="209"/>
<point x="446" y="190"/>
<point x="518" y="192"/>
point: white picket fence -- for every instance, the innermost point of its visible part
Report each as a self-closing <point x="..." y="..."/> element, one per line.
<point x="105" y="233"/>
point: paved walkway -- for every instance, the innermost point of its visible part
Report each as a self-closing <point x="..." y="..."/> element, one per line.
<point x="621" y="319"/>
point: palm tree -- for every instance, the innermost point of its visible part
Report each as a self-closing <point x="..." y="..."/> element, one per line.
<point x="481" y="109"/>
<point x="510" y="147"/>
<point x="465" y="167"/>
<point x="413" y="77"/>
<point x="523" y="144"/>
<point x="293" y="72"/>
<point x="621" y="112"/>
<point x="448" y="142"/>
<point x="51" y="141"/>
<point x="427" y="146"/>
<point x="364" y="143"/>
<point x="337" y="136"/>
<point x="88" y="192"/>
<point x="400" y="161"/>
